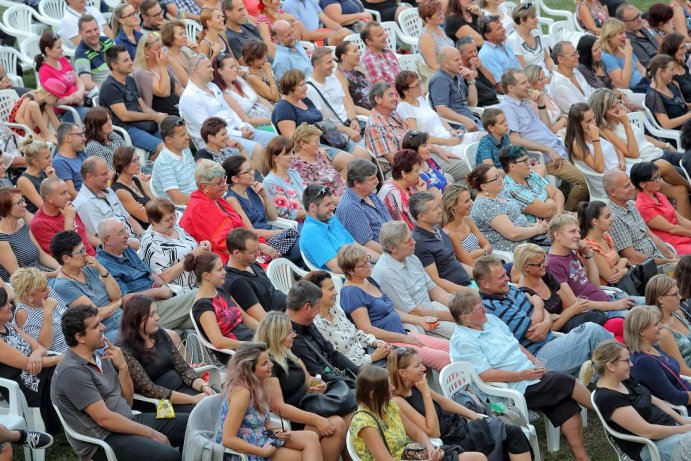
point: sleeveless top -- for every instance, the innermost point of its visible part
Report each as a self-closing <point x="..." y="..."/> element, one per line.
<point x="36" y="181"/>
<point x="139" y="196"/>
<point x="251" y="430"/>
<point x="470" y="243"/>
<point x="684" y="342"/>
<point x="358" y="87"/>
<point x="12" y="118"/>
<point x="24" y="249"/>
<point x="34" y="321"/>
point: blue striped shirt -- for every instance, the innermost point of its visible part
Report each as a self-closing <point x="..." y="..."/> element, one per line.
<point x="361" y="219"/>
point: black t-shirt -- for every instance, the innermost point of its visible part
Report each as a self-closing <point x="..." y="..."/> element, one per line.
<point x="237" y="39"/>
<point x="486" y="93"/>
<point x="553" y="304"/>
<point x="202" y="305"/>
<point x="292" y="383"/>
<point x="249" y="289"/>
<point x="453" y="23"/>
<point x="608" y="400"/>
<point x="114" y="92"/>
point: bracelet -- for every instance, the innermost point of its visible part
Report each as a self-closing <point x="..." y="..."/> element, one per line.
<point x="597" y="140"/>
<point x="104" y="276"/>
<point x="542" y="107"/>
<point x="470" y="82"/>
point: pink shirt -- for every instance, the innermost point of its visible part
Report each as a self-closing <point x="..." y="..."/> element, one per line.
<point x="66" y="75"/>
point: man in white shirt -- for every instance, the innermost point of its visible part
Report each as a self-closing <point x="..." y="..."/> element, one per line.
<point x="203" y="99"/>
<point x="568" y="85"/>
<point x="69" y="29"/>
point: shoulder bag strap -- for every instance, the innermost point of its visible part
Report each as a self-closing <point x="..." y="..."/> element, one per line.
<point x="381" y="430"/>
<point x="679" y="380"/>
<point x="325" y="101"/>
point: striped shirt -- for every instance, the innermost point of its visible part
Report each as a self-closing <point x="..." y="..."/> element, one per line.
<point x="34" y="321"/>
<point x="24" y="249"/>
<point x="525" y="195"/>
<point x="90" y="61"/>
<point x="172" y="171"/>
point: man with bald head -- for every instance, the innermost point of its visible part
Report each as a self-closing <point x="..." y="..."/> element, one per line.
<point x="632" y="237"/>
<point x="452" y="90"/>
<point x="290" y="54"/>
<point x="56" y="215"/>
<point x="96" y="201"/>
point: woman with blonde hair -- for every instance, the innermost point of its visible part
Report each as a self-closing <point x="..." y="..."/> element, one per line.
<point x="537" y="78"/>
<point x="618" y="58"/>
<point x="124" y="24"/>
<point x="212" y="41"/>
<point x="157" y="83"/>
<point x="245" y="412"/>
<point x="39" y="309"/>
<point x="662" y="291"/>
<point x="567" y="310"/>
<point x="38" y="167"/>
<point x="294" y="382"/>
<point x="629" y="407"/>
<point x="312" y="162"/>
<point x="653" y="367"/>
<point x="468" y="242"/>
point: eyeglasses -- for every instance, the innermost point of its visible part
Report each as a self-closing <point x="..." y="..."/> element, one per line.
<point x="525" y="160"/>
<point x="21" y="202"/>
<point x="479" y="308"/>
<point x="134" y="13"/>
<point x="323" y="191"/>
<point x="122" y="232"/>
<point x="81" y="252"/>
<point x="78" y="133"/>
<point x="244" y="172"/>
<point x="414" y="133"/>
<point x="412" y="87"/>
<point x="497" y="178"/>
<point x="224" y="182"/>
<point x="656" y="177"/>
<point x="179" y="122"/>
<point x="543" y="263"/>
<point x="574" y="53"/>
<point x="524" y="6"/>
<point x="155" y="15"/>
<point x="676" y="294"/>
<point x="401" y="351"/>
<point x="634" y="19"/>
<point x="367" y="263"/>
<point x="627" y="359"/>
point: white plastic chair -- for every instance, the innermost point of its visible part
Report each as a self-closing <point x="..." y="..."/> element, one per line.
<point x="410" y="25"/>
<point x="205" y="342"/>
<point x="8" y="98"/>
<point x="392" y="31"/>
<point x="112" y="3"/>
<point x="110" y="454"/>
<point x="192" y="28"/>
<point x="283" y="223"/>
<point x="654" y="128"/>
<point x="17" y="21"/>
<point x="351" y="448"/>
<point x="612" y="435"/>
<point x="408" y="61"/>
<point x="21" y="415"/>
<point x="593" y="180"/>
<point x="375" y="14"/>
<point x="10" y="58"/>
<point x="282" y="274"/>
<point x="457" y="374"/>
<point x="141" y="153"/>
<point x="355" y="38"/>
<point x="470" y="155"/>
<point x="52" y="12"/>
<point x="28" y="49"/>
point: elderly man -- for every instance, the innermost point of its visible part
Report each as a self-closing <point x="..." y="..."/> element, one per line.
<point x="323" y="234"/>
<point x="494" y="53"/>
<point x="433" y="247"/>
<point x="135" y="276"/>
<point x="202" y="99"/>
<point x="360" y="210"/>
<point x="642" y="41"/>
<point x="530" y="131"/>
<point x="530" y="323"/>
<point x="452" y="90"/>
<point x="173" y="172"/>
<point x="69" y="30"/>
<point x="402" y="278"/>
<point x="57" y="214"/>
<point x="378" y="62"/>
<point x="96" y="201"/>
<point x="568" y="86"/>
<point x="487" y="344"/>
<point x="90" y="56"/>
<point x="290" y="54"/>
<point x="633" y="239"/>
<point x="484" y="82"/>
<point x="385" y="128"/>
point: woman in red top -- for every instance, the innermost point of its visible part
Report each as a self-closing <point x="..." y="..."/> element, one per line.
<point x="52" y="64"/>
<point x="657" y="212"/>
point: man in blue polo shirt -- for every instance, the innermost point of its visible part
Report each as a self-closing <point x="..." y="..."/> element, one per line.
<point x="360" y="210"/>
<point x="90" y="57"/>
<point x="495" y="55"/>
<point x="323" y="234"/>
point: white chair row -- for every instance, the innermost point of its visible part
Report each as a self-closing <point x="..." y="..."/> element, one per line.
<point x="19" y="415"/>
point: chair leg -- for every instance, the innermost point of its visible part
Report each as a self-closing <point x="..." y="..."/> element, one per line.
<point x="584" y="417"/>
<point x="534" y="443"/>
<point x="553" y="436"/>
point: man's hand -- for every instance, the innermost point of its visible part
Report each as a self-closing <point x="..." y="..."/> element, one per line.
<point x="114" y="354"/>
<point x="539" y="332"/>
<point x="531" y="373"/>
<point x="555" y="158"/>
<point x="158" y="437"/>
<point x="158" y="118"/>
<point x="69" y="212"/>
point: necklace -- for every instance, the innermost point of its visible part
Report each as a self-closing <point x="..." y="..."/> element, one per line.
<point x="62" y="271"/>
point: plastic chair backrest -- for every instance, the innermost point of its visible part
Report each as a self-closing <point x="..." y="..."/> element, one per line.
<point x="110" y="454"/>
<point x="19" y="20"/>
<point x="205" y="342"/>
<point x="280" y="272"/>
<point x="192" y="28"/>
<point x="408" y="62"/>
<point x="54" y="10"/>
<point x="593" y="180"/>
<point x="351" y="448"/>
<point x="392" y="32"/>
<point x="9" y="58"/>
<point x="410" y="23"/>
<point x="355" y="38"/>
<point x="471" y="154"/>
<point x="8" y="99"/>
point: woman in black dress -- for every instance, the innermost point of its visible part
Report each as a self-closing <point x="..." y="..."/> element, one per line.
<point x="130" y="185"/>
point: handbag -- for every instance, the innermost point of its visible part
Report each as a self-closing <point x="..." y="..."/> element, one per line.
<point x="412" y="451"/>
<point x="541" y="240"/>
<point x="338" y="400"/>
<point x="330" y="135"/>
<point x="330" y="373"/>
<point x="641" y="273"/>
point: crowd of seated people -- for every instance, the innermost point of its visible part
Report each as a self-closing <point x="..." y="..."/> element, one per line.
<point x="269" y="137"/>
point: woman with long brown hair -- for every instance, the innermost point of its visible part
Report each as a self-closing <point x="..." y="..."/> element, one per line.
<point x="131" y="187"/>
<point x="101" y="139"/>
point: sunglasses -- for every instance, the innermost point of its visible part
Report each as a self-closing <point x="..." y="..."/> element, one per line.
<point x="323" y="191"/>
<point x="199" y="59"/>
<point x="524" y="6"/>
<point x="271" y="433"/>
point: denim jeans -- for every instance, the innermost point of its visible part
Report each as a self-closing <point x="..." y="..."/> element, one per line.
<point x="112" y="325"/>
<point x="667" y="446"/>
<point x="260" y="137"/>
<point x="567" y="353"/>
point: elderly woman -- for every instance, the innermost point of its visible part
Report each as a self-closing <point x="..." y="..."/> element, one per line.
<point x="663" y="219"/>
<point x="664" y="98"/>
<point x="652" y="366"/>
<point x="498" y="218"/>
<point x="432" y="38"/>
<point x="360" y="347"/>
<point x="405" y="180"/>
<point x="39" y="309"/>
<point x="158" y="370"/>
<point x="26" y="362"/>
<point x="18" y="246"/>
<point x="373" y="312"/>
<point x="662" y="291"/>
<point x="174" y="39"/>
<point x="218" y="146"/>
<point x="156" y="80"/>
<point x="283" y="184"/>
<point x="468" y="242"/>
<point x="629" y="408"/>
<point x="165" y="244"/>
<point x="83" y="280"/>
<point x="39" y="159"/>
<point x="566" y="309"/>
<point x="617" y="56"/>
<point x="292" y="382"/>
<point x="295" y="108"/>
<point x="526" y="42"/>
<point x="259" y="75"/>
<point x="101" y="140"/>
<point x="312" y="163"/>
<point x="129" y="185"/>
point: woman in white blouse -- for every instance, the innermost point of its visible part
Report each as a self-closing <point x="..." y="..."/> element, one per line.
<point x="333" y="324"/>
<point x="526" y="41"/>
<point x="165" y="244"/>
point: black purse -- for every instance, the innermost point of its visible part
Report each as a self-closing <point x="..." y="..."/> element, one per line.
<point x="338" y="400"/>
<point x="641" y="273"/>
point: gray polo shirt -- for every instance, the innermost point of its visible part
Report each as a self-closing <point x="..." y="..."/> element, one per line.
<point x="92" y="208"/>
<point x="78" y="384"/>
<point x="450" y="91"/>
<point x="406" y="283"/>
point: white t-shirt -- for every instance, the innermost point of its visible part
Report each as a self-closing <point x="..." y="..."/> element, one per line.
<point x="530" y="55"/>
<point x="333" y="92"/>
<point x="425" y="117"/>
<point x="69" y="27"/>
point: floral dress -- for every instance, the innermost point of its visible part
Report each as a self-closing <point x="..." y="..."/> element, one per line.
<point x="286" y="192"/>
<point x="396" y="201"/>
<point x="320" y="172"/>
<point x="251" y="430"/>
<point x="345" y="337"/>
<point x="486" y="209"/>
<point x="358" y="87"/>
<point x="597" y="11"/>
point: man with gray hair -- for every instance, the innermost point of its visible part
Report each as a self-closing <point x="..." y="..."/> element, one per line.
<point x="642" y="40"/>
<point x="302" y="305"/>
<point x="385" y="128"/>
<point x="568" y="86"/>
<point x="135" y="276"/>
<point x="402" y="278"/>
<point x="290" y="54"/>
<point x="360" y="210"/>
<point x="96" y="201"/>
